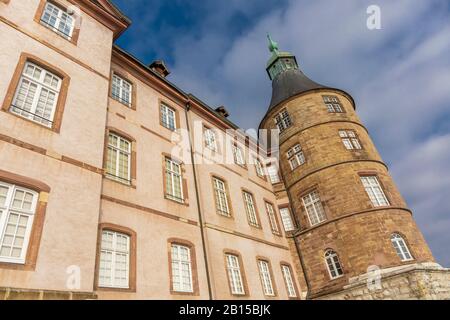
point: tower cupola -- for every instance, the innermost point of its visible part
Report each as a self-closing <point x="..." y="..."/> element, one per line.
<point x="287" y="79"/>
<point x="280" y="61"/>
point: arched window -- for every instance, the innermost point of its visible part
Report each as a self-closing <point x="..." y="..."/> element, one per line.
<point x="401" y="247"/>
<point x="333" y="264"/>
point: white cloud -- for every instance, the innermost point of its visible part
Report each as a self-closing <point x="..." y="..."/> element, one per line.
<point x="399" y="77"/>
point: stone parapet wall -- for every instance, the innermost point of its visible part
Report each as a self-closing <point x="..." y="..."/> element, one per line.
<point x="427" y="281"/>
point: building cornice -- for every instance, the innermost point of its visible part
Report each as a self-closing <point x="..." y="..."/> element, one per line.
<point x="106" y="13"/>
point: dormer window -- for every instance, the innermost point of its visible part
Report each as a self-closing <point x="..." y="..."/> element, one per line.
<point x="58" y="20"/>
<point x="283" y="120"/>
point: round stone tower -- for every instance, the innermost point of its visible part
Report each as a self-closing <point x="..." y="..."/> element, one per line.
<point x="349" y="212"/>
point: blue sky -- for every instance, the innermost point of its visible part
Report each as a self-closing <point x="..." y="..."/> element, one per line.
<point x="399" y="76"/>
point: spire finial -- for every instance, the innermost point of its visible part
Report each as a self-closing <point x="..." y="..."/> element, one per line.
<point x="273" y="46"/>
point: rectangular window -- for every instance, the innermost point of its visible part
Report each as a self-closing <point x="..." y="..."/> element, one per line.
<point x="36" y="95"/>
<point x="273" y="174"/>
<point x="272" y="218"/>
<point x="174" y="181"/>
<point x="17" y="210"/>
<point x="266" y="279"/>
<point x="238" y="156"/>
<point x="333" y="104"/>
<point x="289" y="281"/>
<point x="181" y="268"/>
<point x="350" y="140"/>
<point x="234" y="274"/>
<point x="286" y="219"/>
<point x="221" y="197"/>
<point x="210" y="139"/>
<point x="118" y="158"/>
<point x="167" y="117"/>
<point x="283" y="120"/>
<point x="314" y="208"/>
<point x="121" y="90"/>
<point x="374" y="191"/>
<point x="58" y="20"/>
<point x="250" y="209"/>
<point x="114" y="260"/>
<point x="259" y="168"/>
<point x="295" y="156"/>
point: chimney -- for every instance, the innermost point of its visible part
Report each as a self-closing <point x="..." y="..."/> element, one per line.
<point x="222" y="111"/>
<point x="160" y="68"/>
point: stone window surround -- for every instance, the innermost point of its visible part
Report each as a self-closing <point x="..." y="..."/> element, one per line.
<point x="207" y="127"/>
<point x="38" y="223"/>
<point x="60" y="104"/>
<point x="57" y="3"/>
<point x="263" y="167"/>
<point x="183" y="179"/>
<point x="124" y="76"/>
<point x="133" y="252"/>
<point x="294" y="282"/>
<point x="276" y="215"/>
<point x="170" y="106"/>
<point x="272" y="278"/>
<point x="242" y="269"/>
<point x="259" y="226"/>
<point x="227" y="190"/>
<point x="194" y="269"/>
<point x="133" y="161"/>
<point x="287" y="206"/>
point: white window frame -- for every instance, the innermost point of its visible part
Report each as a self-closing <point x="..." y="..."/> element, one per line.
<point x="259" y="168"/>
<point x="122" y="87"/>
<point x="314" y="208"/>
<point x="289" y="281"/>
<point x="7" y="209"/>
<point x="374" y="191"/>
<point x="250" y="209"/>
<point x="238" y="156"/>
<point x="401" y="247"/>
<point x="272" y="218"/>
<point x="177" y="263"/>
<point x="296" y="157"/>
<point x="286" y="219"/>
<point x="266" y="278"/>
<point x="40" y="88"/>
<point x="60" y="17"/>
<point x="333" y="104"/>
<point x="350" y="140"/>
<point x="234" y="274"/>
<point x="210" y="139"/>
<point x="283" y="120"/>
<point x="221" y="197"/>
<point x="168" y="115"/>
<point x="114" y="251"/>
<point x="274" y="177"/>
<point x="334" y="265"/>
<point x="119" y="151"/>
<point x="176" y="177"/>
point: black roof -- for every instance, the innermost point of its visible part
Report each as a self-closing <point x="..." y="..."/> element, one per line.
<point x="290" y="83"/>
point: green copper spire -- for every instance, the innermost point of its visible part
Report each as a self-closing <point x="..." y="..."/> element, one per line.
<point x="273" y="46"/>
<point x="280" y="61"/>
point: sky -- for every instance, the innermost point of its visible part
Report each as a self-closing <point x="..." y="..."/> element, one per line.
<point x="398" y="75"/>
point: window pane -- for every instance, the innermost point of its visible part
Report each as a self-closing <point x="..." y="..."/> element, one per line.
<point x="114" y="260"/>
<point x="286" y="219"/>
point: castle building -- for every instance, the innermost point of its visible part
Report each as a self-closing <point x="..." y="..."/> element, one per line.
<point x="116" y="184"/>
